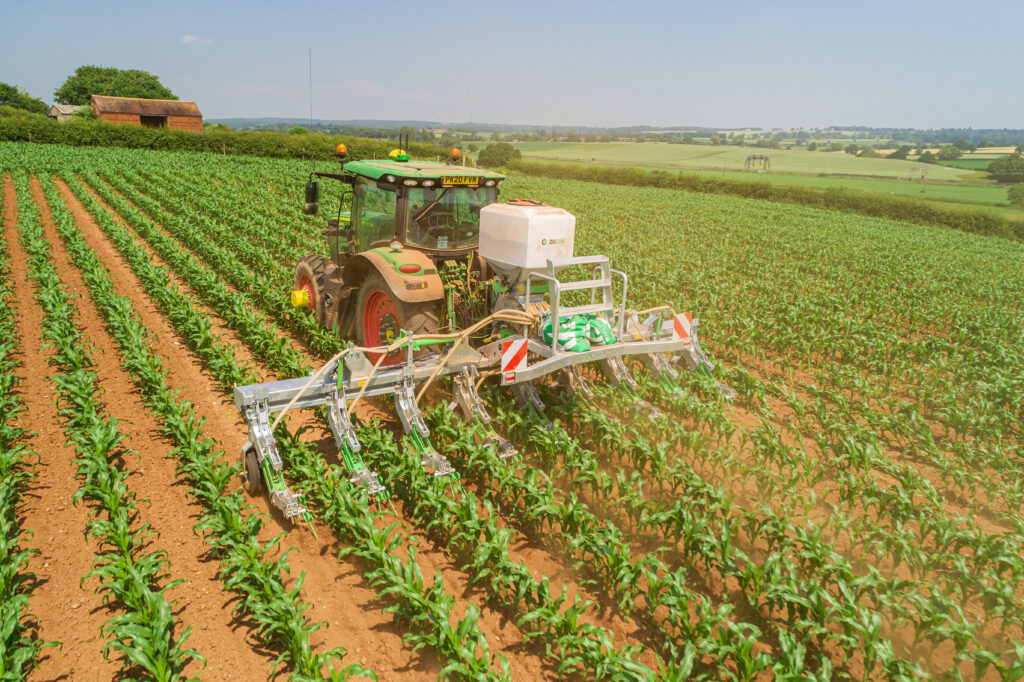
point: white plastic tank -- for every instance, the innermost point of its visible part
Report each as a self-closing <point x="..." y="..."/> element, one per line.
<point x="519" y="237"/>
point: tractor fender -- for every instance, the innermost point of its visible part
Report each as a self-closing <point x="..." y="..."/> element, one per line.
<point x="424" y="285"/>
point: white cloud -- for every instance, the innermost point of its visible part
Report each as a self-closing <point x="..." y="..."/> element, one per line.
<point x="195" y="39"/>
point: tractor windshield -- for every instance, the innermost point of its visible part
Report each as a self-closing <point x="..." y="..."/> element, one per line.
<point x="446" y="218"/>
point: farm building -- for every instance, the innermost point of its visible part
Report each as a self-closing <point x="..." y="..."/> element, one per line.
<point x="63" y="112"/>
<point x="152" y="113"/>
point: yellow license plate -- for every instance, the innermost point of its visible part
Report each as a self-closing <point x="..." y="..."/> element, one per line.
<point x="460" y="180"/>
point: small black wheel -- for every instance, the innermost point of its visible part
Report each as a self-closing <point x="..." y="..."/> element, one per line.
<point x="253" y="474"/>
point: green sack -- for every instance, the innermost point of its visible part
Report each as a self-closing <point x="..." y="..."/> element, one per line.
<point x="599" y="331"/>
<point x="573" y="333"/>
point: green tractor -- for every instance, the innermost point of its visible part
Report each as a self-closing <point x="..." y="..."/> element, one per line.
<point x="405" y="221"/>
<point x="428" y="276"/>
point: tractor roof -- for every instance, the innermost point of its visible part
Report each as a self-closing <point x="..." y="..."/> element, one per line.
<point x="415" y="169"/>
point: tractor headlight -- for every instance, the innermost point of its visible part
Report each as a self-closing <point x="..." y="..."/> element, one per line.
<point x="489" y="183"/>
<point x="428" y="183"/>
<point x="410" y="183"/>
<point x="390" y="178"/>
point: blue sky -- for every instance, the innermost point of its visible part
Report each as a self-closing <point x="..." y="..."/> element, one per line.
<point x="779" y="64"/>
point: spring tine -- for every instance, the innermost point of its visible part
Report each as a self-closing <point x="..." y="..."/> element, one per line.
<point x="617" y="373"/>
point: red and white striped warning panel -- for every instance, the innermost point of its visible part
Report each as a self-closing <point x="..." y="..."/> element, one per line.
<point x="681" y="327"/>
<point x="513" y="358"/>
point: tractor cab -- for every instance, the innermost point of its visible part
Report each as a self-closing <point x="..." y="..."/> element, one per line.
<point x="431" y="207"/>
<point x="398" y="226"/>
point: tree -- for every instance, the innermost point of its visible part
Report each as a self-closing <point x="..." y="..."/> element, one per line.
<point x="868" y="153"/>
<point x="1016" y="195"/>
<point x="852" y="149"/>
<point x="688" y="139"/>
<point x="949" y="154"/>
<point x="964" y="145"/>
<point x="100" y="80"/>
<point x="738" y="140"/>
<point x="812" y="146"/>
<point x="298" y="130"/>
<point x="927" y="157"/>
<point x="498" y="155"/>
<point x="13" y="96"/>
<point x="1020" y="149"/>
<point x="1009" y="168"/>
<point x="715" y="139"/>
<point x="900" y="153"/>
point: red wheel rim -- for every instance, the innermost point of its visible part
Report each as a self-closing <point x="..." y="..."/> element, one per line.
<point x="380" y="325"/>
<point x="304" y="283"/>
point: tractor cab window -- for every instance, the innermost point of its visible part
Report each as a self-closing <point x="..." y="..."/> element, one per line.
<point x="373" y="213"/>
<point x="446" y="217"/>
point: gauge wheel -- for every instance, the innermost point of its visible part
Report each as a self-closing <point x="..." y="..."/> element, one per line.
<point x="382" y="316"/>
<point x="253" y="473"/>
<point x="311" y="275"/>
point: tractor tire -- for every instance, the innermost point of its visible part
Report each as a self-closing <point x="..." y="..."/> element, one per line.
<point x="380" y="315"/>
<point x="254" y="484"/>
<point x="311" y="275"/>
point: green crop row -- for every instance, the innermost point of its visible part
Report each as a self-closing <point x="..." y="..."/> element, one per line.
<point x="18" y="645"/>
<point x="134" y="582"/>
<point x="480" y="546"/>
<point x="255" y="571"/>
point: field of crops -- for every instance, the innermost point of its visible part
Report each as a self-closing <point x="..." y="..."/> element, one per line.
<point x="728" y="157"/>
<point x="855" y="513"/>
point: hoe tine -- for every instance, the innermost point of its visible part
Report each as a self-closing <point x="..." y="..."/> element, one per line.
<point x="572" y="379"/>
<point x="695" y="359"/>
<point x="465" y="396"/>
<point x="659" y="367"/>
<point x="419" y="434"/>
<point x="529" y="400"/>
<point x="348" y="445"/>
<point x="621" y="377"/>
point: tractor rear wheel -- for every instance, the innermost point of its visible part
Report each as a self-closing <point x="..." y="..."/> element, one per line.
<point x="380" y="317"/>
<point x="311" y="275"/>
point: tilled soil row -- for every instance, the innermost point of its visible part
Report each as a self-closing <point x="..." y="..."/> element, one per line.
<point x="202" y="601"/>
<point x="65" y="612"/>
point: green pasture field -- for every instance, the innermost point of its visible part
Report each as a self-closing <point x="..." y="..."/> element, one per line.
<point x="990" y="197"/>
<point x="970" y="163"/>
<point x="731" y="158"/>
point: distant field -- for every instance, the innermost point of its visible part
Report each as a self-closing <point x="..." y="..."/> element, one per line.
<point x="732" y="158"/>
<point x="955" y="195"/>
<point x="968" y="163"/>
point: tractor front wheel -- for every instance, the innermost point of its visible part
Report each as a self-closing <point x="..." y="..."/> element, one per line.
<point x="381" y="316"/>
<point x="311" y="276"/>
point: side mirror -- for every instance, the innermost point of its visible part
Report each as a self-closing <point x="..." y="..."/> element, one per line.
<point x="312" y="206"/>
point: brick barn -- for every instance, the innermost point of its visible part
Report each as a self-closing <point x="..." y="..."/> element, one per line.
<point x="152" y="113"/>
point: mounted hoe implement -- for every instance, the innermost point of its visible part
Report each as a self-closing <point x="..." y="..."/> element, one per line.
<point x="431" y="278"/>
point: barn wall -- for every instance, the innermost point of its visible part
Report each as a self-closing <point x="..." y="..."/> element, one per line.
<point x="190" y="123"/>
<point x="121" y="118"/>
